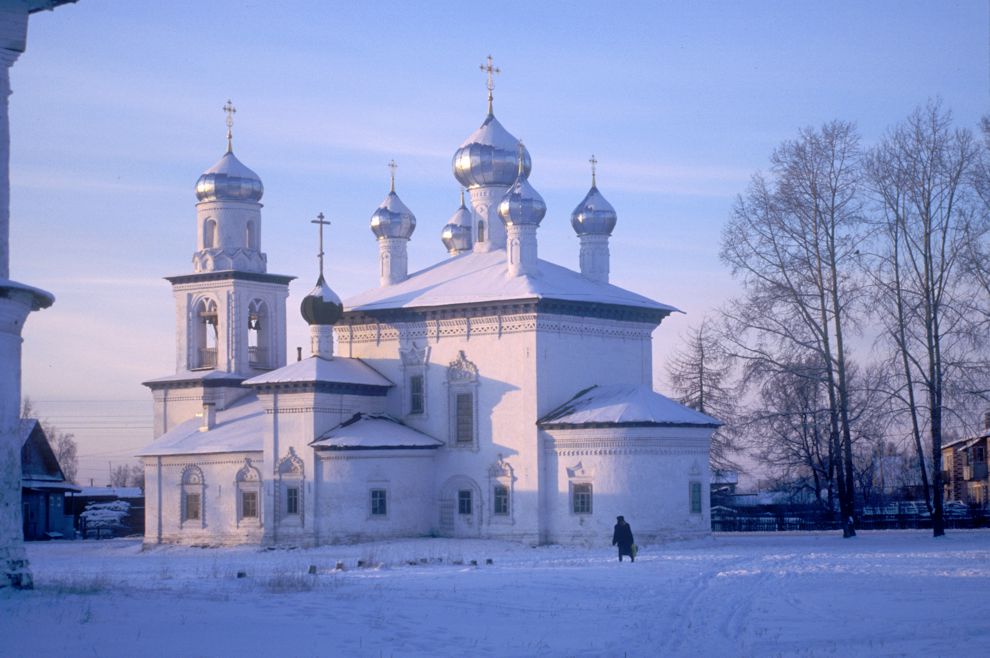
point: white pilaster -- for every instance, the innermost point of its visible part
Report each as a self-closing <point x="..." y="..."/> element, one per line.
<point x="393" y="261"/>
<point x="321" y="340"/>
<point x="521" y="248"/>
<point x="484" y="202"/>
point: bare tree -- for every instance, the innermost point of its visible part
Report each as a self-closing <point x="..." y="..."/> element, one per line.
<point x="137" y="476"/>
<point x="919" y="173"/>
<point x="792" y="240"/>
<point x="63" y="443"/>
<point x="700" y="373"/>
<point x="120" y="475"/>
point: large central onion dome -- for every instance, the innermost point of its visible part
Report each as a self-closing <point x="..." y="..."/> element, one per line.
<point x="456" y="234"/>
<point x="229" y="180"/>
<point x="522" y="205"/>
<point x="594" y="215"/>
<point x="321" y="306"/>
<point x="393" y="219"/>
<point x="489" y="157"/>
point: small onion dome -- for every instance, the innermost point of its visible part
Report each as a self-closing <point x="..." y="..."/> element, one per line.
<point x="489" y="157"/>
<point x="229" y="180"/>
<point x="594" y="215"/>
<point x="456" y="235"/>
<point x="522" y="204"/>
<point x="321" y="305"/>
<point x="393" y="219"/>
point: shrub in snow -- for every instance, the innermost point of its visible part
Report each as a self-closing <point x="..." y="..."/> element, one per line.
<point x="108" y="516"/>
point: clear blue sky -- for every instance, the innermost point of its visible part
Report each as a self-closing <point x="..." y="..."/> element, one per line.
<point x="116" y="111"/>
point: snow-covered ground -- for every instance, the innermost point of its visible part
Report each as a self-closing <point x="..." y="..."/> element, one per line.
<point x="881" y="594"/>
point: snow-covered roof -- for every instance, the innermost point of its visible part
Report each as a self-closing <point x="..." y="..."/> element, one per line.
<point x="338" y="370"/>
<point x="480" y="277"/>
<point x="374" y="432"/>
<point x="202" y="376"/>
<point x="624" y="405"/>
<point x="110" y="492"/>
<point x="237" y="429"/>
<point x="48" y="485"/>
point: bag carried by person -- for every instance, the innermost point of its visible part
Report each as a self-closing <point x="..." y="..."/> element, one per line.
<point x="633" y="550"/>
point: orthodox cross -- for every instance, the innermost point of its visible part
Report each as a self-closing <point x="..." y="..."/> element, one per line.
<point x="392" y="166"/>
<point x="229" y="109"/>
<point x="322" y="221"/>
<point x="593" y="162"/>
<point x="492" y="71"/>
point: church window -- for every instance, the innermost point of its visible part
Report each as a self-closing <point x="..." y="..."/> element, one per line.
<point x="481" y="231"/>
<point x="191" y="502"/>
<point x="193" y="505"/>
<point x="464" y="425"/>
<point x="379" y="502"/>
<point x="500" y="502"/>
<point x="291" y="500"/>
<point x="695" y="497"/>
<point x="249" y="504"/>
<point x="464" y="501"/>
<point x="210" y="234"/>
<point x="416" y="405"/>
<point x="251" y="236"/>
<point x="581" y="498"/>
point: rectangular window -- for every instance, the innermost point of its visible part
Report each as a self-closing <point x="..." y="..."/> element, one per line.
<point x="249" y="504"/>
<point x="501" y="499"/>
<point x="582" y="499"/>
<point x="192" y="506"/>
<point x="416" y="394"/>
<point x="464" y="502"/>
<point x="464" y="422"/>
<point x="378" y="502"/>
<point x="696" y="498"/>
<point x="292" y="500"/>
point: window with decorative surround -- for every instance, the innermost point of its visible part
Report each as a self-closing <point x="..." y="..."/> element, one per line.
<point x="191" y="498"/>
<point x="291" y="477"/>
<point x="581" y="498"/>
<point x="414" y="368"/>
<point x="248" y="483"/>
<point x="462" y="387"/>
<point x="502" y="480"/>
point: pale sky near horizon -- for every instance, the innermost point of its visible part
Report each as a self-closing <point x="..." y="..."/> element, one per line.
<point x="116" y="110"/>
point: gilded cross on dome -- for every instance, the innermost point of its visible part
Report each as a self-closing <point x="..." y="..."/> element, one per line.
<point x="322" y="221"/>
<point x="230" y="110"/>
<point x="593" y="162"/>
<point x="392" y="167"/>
<point x="492" y="72"/>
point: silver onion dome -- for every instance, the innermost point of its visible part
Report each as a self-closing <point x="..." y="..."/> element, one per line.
<point x="456" y="234"/>
<point x="229" y="180"/>
<point x="594" y="215"/>
<point x="321" y="306"/>
<point x="489" y="156"/>
<point x="393" y="219"/>
<point x="522" y="204"/>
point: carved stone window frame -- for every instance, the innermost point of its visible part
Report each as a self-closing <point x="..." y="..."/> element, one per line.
<point x="415" y="363"/>
<point x="501" y="474"/>
<point x="192" y="483"/>
<point x="248" y="480"/>
<point x="462" y="379"/>
<point x="291" y="474"/>
<point x="580" y="477"/>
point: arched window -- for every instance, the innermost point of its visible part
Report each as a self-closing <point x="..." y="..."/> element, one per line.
<point x="248" y="495"/>
<point x="462" y="402"/>
<point x="191" y="498"/>
<point x="502" y="479"/>
<point x="210" y="240"/>
<point x="251" y="236"/>
<point x="204" y="336"/>
<point x="259" y="335"/>
<point x="291" y="476"/>
<point x="481" y="231"/>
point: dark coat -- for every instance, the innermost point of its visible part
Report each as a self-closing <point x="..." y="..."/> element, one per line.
<point x="623" y="537"/>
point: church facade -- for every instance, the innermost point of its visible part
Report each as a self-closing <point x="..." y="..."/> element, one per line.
<point x="492" y="394"/>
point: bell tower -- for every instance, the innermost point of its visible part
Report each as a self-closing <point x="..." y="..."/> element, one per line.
<point x="230" y="312"/>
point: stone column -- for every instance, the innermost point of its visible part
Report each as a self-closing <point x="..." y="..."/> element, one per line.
<point x="393" y="261"/>
<point x="595" y="257"/>
<point x="16" y="302"/>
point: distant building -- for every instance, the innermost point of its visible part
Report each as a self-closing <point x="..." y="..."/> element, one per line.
<point x="492" y="394"/>
<point x="964" y="469"/>
<point x="46" y="510"/>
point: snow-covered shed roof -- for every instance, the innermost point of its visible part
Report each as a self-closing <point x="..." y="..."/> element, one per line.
<point x="482" y="277"/>
<point x="39" y="465"/>
<point x="315" y="369"/>
<point x="374" y="432"/>
<point x="628" y="405"/>
<point x="110" y="492"/>
<point x="237" y="429"/>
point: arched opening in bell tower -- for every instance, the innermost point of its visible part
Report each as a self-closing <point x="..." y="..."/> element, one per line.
<point x="251" y="236"/>
<point x="259" y="334"/>
<point x="205" y="335"/>
<point x="210" y="233"/>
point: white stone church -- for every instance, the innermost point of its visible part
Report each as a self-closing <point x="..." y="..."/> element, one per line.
<point x="492" y="394"/>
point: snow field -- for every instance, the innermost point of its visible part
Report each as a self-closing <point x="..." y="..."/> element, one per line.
<point x="882" y="593"/>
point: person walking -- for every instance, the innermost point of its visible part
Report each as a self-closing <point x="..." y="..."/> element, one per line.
<point x="623" y="538"/>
